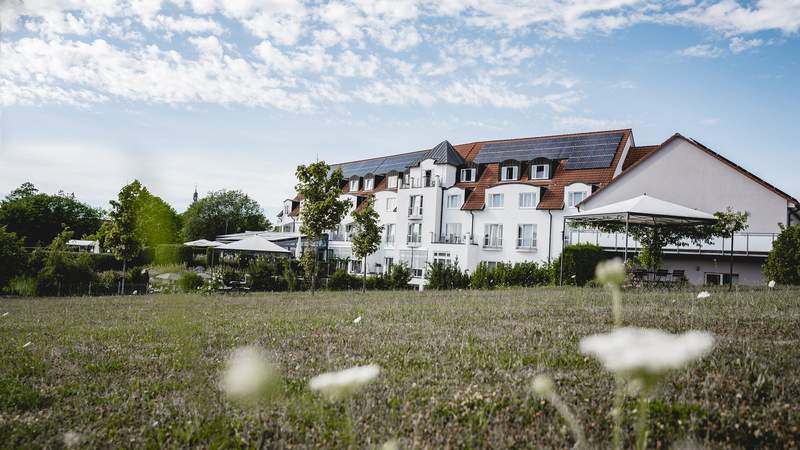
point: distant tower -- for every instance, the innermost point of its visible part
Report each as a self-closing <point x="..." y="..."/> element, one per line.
<point x="194" y="196"/>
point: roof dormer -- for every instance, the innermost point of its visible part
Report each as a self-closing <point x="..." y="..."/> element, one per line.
<point x="510" y="170"/>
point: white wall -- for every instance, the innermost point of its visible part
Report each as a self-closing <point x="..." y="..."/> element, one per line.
<point x="684" y="174"/>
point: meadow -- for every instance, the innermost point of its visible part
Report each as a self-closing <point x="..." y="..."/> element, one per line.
<point x="143" y="372"/>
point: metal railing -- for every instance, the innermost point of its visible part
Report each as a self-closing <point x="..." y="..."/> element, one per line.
<point x="339" y="237"/>
<point x="492" y="242"/>
<point x="448" y="239"/>
<point x="526" y="243"/>
<point x="414" y="238"/>
<point x="745" y="244"/>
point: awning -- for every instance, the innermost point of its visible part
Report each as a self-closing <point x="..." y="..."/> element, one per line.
<point x="256" y="243"/>
<point x="645" y="210"/>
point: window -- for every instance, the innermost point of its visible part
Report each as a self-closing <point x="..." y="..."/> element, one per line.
<point x="427" y="179"/>
<point x="496" y="200"/>
<point x="452" y="233"/>
<point x="369" y="184"/>
<point x="493" y="235"/>
<point x="574" y="198"/>
<point x="388" y="263"/>
<point x="441" y="257"/>
<point x="391" y="204"/>
<point x="721" y="279"/>
<point x="287" y="209"/>
<point x="415" y="206"/>
<point x="406" y="179"/>
<point x="392" y="182"/>
<point x="390" y="234"/>
<point x="527" y="200"/>
<point x="540" y="171"/>
<point x="509" y="173"/>
<point x="354" y="185"/>
<point x="454" y="201"/>
<point x="468" y="175"/>
<point x="491" y="265"/>
<point x="526" y="236"/>
<point x="414" y="233"/>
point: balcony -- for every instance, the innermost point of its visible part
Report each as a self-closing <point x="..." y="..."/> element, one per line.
<point x="415" y="212"/>
<point x="744" y="244"/>
<point x="448" y="239"/>
<point x="339" y="237"/>
<point x="526" y="245"/>
<point x="413" y="240"/>
<point x="492" y="243"/>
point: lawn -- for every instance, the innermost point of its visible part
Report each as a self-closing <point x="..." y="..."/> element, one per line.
<point x="457" y="367"/>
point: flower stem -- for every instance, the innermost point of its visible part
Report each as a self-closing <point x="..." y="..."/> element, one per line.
<point x="642" y="424"/>
<point x="616" y="412"/>
<point x="616" y="294"/>
<point x="570" y="419"/>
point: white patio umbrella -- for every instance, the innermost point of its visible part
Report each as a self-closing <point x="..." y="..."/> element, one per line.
<point x="255" y="244"/>
<point x="202" y="243"/>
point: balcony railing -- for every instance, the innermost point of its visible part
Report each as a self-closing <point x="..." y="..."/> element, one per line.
<point x="492" y="242"/>
<point x="744" y="244"/>
<point x="526" y="244"/>
<point x="415" y="211"/>
<point x="414" y="239"/>
<point x="448" y="239"/>
<point x="339" y="237"/>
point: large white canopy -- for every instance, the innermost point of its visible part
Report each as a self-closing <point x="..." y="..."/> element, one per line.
<point x="202" y="243"/>
<point x="645" y="210"/>
<point x="254" y="243"/>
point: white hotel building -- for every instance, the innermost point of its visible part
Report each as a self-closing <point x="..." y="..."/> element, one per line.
<point x="504" y="201"/>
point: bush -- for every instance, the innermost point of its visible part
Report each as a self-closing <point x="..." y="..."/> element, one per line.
<point x="24" y="286"/>
<point x="289" y="276"/>
<point x="377" y="283"/>
<point x="442" y="276"/>
<point x="108" y="282"/>
<point x="783" y="262"/>
<point x="173" y="254"/>
<point x="343" y="281"/>
<point x="580" y="261"/>
<point x="263" y="275"/>
<point x="482" y="277"/>
<point x="190" y="282"/>
<point x="399" y="277"/>
<point x="65" y="273"/>
<point x="13" y="258"/>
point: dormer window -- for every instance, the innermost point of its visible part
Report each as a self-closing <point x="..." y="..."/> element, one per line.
<point x="509" y="173"/>
<point x="468" y="175"/>
<point x="540" y="171"/>
<point x="354" y="185"/>
<point x="369" y="184"/>
<point x="287" y="208"/>
<point x="574" y="198"/>
<point x="392" y="182"/>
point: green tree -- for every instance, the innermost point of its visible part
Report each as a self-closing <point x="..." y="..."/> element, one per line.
<point x="783" y="261"/>
<point x="156" y="221"/>
<point x="322" y="209"/>
<point x="222" y="212"/>
<point x="367" y="238"/>
<point x="38" y="218"/>
<point x="730" y="222"/>
<point x="120" y="234"/>
<point x="12" y="256"/>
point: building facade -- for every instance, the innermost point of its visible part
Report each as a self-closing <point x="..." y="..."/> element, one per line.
<point x="504" y="201"/>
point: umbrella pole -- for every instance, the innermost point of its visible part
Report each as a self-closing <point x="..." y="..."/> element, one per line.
<point x="627" y="223"/>
<point x="730" y="282"/>
<point x="561" y="258"/>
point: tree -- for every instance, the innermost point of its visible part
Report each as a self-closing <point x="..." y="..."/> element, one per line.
<point x="156" y="221"/>
<point x="783" y="261"/>
<point x="38" y="218"/>
<point x="730" y="222"/>
<point x="367" y="238"/>
<point x="222" y="212"/>
<point x="120" y="234"/>
<point x="322" y="210"/>
<point x="12" y="256"/>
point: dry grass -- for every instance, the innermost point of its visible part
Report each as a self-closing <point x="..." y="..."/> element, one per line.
<point x="143" y="371"/>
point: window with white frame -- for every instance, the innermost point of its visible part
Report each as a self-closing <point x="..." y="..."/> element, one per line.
<point x="468" y="175"/>
<point x="391" y="204"/>
<point x="388" y="263"/>
<point x="415" y="205"/>
<point x="391" y="183"/>
<point x="354" y="185"/>
<point x="287" y="208"/>
<point x="493" y="235"/>
<point x="527" y="200"/>
<point x="509" y="173"/>
<point x="574" y="198"/>
<point x="454" y="201"/>
<point x="407" y="179"/>
<point x="496" y="200"/>
<point x="442" y="257"/>
<point x="526" y="236"/>
<point x="414" y="233"/>
<point x="491" y="265"/>
<point x="390" y="234"/>
<point x="540" y="171"/>
<point x="452" y="233"/>
<point x="369" y="183"/>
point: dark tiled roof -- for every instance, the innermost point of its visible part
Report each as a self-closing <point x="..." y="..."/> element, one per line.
<point x="637" y="153"/>
<point x="445" y="153"/>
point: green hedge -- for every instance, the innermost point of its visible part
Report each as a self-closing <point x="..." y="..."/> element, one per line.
<point x="580" y="261"/>
<point x="173" y="254"/>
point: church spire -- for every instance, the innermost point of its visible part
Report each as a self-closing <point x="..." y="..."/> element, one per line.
<point x="194" y="196"/>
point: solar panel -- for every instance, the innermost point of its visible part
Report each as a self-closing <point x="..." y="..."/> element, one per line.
<point x="379" y="166"/>
<point x="582" y="152"/>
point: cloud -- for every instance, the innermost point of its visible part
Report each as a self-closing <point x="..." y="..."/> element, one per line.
<point x="702" y="51"/>
<point x="739" y="45"/>
<point x="582" y="123"/>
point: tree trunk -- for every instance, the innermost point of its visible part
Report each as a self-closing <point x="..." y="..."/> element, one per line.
<point x="730" y="282"/>
<point x="316" y="268"/>
<point x="124" y="272"/>
<point x="364" y="279"/>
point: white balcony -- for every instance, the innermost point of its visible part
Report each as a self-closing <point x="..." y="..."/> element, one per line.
<point x="744" y="244"/>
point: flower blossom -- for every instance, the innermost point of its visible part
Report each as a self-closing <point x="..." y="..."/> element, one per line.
<point x="357" y="320"/>
<point x="337" y="385"/>
<point x="248" y="374"/>
<point x="771" y="284"/>
<point x="703" y="295"/>
<point x="611" y="272"/>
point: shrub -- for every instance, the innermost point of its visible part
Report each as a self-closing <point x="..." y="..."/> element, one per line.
<point x="63" y="272"/>
<point x="399" y="277"/>
<point x="442" y="276"/>
<point x="173" y="254"/>
<point x="377" y="283"/>
<point x="289" y="276"/>
<point x="24" y="286"/>
<point x="342" y="281"/>
<point x="580" y="261"/>
<point x="482" y="277"/>
<point x="13" y="258"/>
<point x="263" y="275"/>
<point x="190" y="282"/>
<point x="783" y="262"/>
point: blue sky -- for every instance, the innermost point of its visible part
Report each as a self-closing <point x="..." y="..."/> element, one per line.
<point x="234" y="94"/>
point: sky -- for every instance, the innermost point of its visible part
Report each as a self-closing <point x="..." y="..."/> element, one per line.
<point x="234" y="94"/>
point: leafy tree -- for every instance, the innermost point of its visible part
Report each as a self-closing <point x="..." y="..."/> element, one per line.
<point x="730" y="222"/>
<point x="12" y="256"/>
<point x="322" y="210"/>
<point x="400" y="276"/>
<point x="222" y="212"/>
<point x="63" y="271"/>
<point x="368" y="234"/>
<point x="783" y="262"/>
<point x="38" y="218"/>
<point x="120" y="234"/>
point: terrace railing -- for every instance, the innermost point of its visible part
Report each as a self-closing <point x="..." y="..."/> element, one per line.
<point x="744" y="244"/>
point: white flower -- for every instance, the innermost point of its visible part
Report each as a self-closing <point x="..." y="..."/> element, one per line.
<point x="640" y="352"/>
<point x="5" y="313"/>
<point x="611" y="272"/>
<point x="771" y="285"/>
<point x="247" y="374"/>
<point x="357" y="320"/>
<point x="72" y="439"/>
<point x="390" y="445"/>
<point x="543" y="385"/>
<point x="336" y="385"/>
<point x="27" y="344"/>
<point x="703" y="295"/>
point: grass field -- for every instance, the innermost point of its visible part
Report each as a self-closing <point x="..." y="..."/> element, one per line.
<point x="457" y="366"/>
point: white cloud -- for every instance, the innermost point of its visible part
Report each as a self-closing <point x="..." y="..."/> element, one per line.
<point x="582" y="123"/>
<point x="739" y="45"/>
<point x="702" y="51"/>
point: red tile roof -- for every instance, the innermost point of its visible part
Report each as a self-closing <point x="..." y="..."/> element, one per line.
<point x="637" y="153"/>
